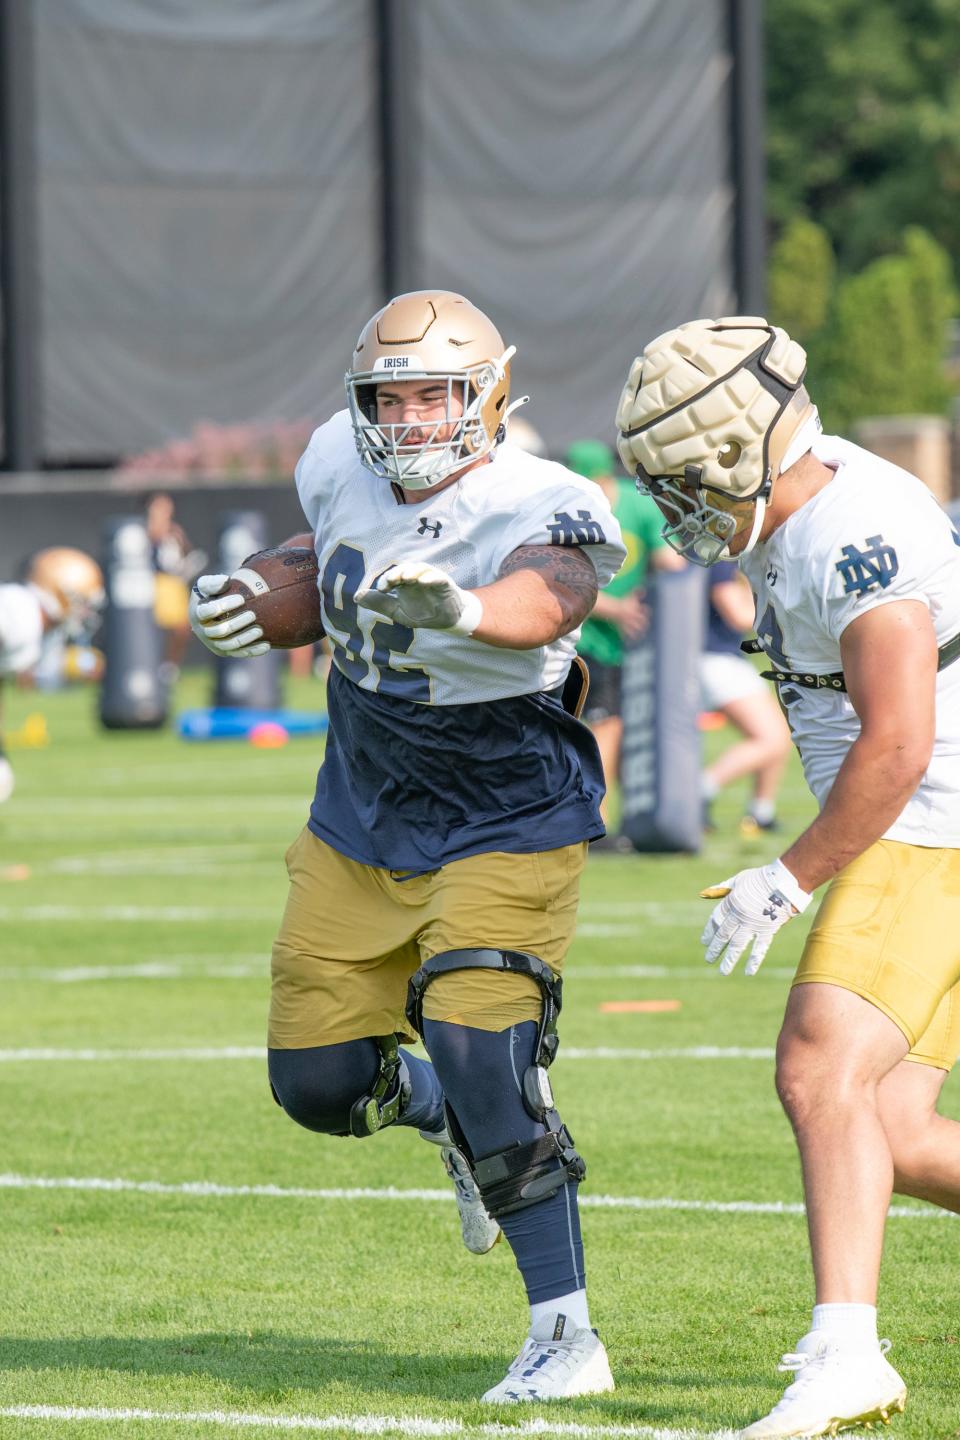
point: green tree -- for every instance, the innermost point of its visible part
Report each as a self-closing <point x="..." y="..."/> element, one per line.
<point x="883" y="351"/>
<point x="863" y="102"/>
<point x="800" y="278"/>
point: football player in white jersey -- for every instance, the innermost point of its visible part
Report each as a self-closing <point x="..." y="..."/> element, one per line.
<point x="63" y="590"/>
<point x="434" y="888"/>
<point x="856" y="573"/>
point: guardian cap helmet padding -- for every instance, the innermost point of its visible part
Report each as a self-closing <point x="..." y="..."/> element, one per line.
<point x="705" y="420"/>
<point x="69" y="586"/>
<point x="430" y="335"/>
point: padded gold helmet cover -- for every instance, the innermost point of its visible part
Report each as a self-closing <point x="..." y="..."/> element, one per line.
<point x="705" y="419"/>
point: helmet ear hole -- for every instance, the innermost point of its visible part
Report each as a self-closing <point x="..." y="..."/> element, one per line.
<point x="729" y="454"/>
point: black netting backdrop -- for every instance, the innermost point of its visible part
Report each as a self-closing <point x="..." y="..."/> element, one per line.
<point x="207" y="212"/>
<point x="210" y="198"/>
<point x="576" y="179"/>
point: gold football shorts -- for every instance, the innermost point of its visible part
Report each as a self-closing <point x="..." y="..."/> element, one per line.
<point x="889" y="929"/>
<point x="171" y="604"/>
<point x="352" y="935"/>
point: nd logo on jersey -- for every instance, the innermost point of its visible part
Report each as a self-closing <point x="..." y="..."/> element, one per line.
<point x="873" y="566"/>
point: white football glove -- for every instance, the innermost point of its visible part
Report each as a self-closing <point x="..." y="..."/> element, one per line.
<point x="237" y="637"/>
<point x="754" y="906"/>
<point x="6" y="779"/>
<point x="421" y="596"/>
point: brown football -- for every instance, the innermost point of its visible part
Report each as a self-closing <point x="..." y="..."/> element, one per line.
<point x="280" y="587"/>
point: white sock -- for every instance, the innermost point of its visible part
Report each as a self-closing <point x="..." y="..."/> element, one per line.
<point x="709" y="789"/>
<point x="851" y="1325"/>
<point x="762" y="811"/>
<point x="574" y="1306"/>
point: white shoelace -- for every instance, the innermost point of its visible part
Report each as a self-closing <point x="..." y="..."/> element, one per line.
<point x="796" y="1360"/>
<point x="558" y="1357"/>
<point x="807" y="1368"/>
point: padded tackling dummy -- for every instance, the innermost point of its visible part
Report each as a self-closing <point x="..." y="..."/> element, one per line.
<point x="661" y="757"/>
<point x="132" y="696"/>
<point x="254" y="683"/>
<point x="329" y="1088"/>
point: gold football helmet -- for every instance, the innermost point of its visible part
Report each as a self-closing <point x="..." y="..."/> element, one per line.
<point x="430" y="335"/>
<point x="69" y="586"/>
<point x="705" y="421"/>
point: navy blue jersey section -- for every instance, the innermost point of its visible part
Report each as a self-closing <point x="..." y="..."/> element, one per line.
<point x="720" y="637"/>
<point x="411" y="787"/>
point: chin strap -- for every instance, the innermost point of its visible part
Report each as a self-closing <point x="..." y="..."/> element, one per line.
<point x="759" y="510"/>
<point x="802" y="441"/>
<point x="514" y="405"/>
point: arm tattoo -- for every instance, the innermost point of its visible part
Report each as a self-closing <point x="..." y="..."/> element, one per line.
<point x="568" y="574"/>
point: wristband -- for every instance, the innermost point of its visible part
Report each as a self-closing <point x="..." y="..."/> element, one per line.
<point x="786" y="882"/>
<point x="469" y="617"/>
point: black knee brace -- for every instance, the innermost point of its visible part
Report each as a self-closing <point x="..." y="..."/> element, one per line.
<point x="522" y="1174"/>
<point x="337" y="1099"/>
<point x="389" y="1094"/>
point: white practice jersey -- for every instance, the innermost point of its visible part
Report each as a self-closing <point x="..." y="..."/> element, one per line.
<point x="872" y="536"/>
<point x="21" y="629"/>
<point x="467" y="530"/>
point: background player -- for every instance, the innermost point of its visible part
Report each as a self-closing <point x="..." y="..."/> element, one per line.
<point x="731" y="686"/>
<point x="63" y="591"/>
<point x="856" y="571"/>
<point x="619" y="616"/>
<point x="457" y="794"/>
<point x="175" y="561"/>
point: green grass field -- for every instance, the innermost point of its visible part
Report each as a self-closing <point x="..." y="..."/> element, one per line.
<point x="134" y="977"/>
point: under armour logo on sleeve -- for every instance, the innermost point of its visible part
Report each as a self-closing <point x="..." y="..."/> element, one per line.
<point x="582" y="531"/>
<point x="872" y="567"/>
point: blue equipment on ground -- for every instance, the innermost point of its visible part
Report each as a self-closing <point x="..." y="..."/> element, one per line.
<point x="227" y="722"/>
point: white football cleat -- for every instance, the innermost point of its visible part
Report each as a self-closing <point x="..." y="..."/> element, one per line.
<point x="558" y="1359"/>
<point x="480" y="1232"/>
<point x="835" y="1389"/>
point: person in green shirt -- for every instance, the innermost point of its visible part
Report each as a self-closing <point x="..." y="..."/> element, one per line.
<point x="619" y="614"/>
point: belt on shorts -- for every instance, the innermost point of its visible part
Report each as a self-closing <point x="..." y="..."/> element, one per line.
<point x="948" y="652"/>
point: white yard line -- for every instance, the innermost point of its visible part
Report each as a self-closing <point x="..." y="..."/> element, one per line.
<point x="657" y="916"/>
<point x="249" y="958"/>
<point x="204" y="1189"/>
<point x="238" y="765"/>
<point x="148" y="854"/>
<point x="691" y="1052"/>
<point x="662" y="972"/>
<point x="258" y="1052"/>
<point x="414" y="1425"/>
<point x="258" y="966"/>
<point x="170" y="864"/>
<point x="660" y="918"/>
<point x="236" y="967"/>
<point x="170" y="914"/>
<point x="645" y="909"/>
<point x="198" y="1052"/>
<point x="149" y="806"/>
